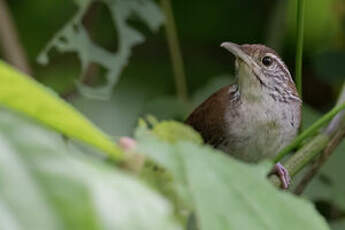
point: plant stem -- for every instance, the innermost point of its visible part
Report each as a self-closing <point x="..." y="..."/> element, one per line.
<point x="326" y="153"/>
<point x="326" y="141"/>
<point x="175" y="51"/>
<point x="335" y="130"/>
<point x="299" y="48"/>
<point x="310" y="131"/>
<point x="302" y="157"/>
<point x="13" y="51"/>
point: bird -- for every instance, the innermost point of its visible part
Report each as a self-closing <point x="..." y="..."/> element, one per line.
<point x="256" y="116"/>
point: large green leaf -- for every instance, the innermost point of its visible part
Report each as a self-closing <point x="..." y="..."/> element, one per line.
<point x="73" y="37"/>
<point x="21" y="93"/>
<point x="226" y="193"/>
<point x="46" y="183"/>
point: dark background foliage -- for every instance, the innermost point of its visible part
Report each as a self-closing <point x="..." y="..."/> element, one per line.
<point x="202" y="26"/>
<point x="147" y="86"/>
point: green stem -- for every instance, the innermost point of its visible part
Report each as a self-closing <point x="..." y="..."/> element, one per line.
<point x="299" y="48"/>
<point x="306" y="154"/>
<point x="310" y="131"/>
<point x="175" y="52"/>
<point x="302" y="157"/>
<point x="12" y="49"/>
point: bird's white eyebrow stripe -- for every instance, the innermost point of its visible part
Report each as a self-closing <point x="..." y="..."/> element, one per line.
<point x="275" y="58"/>
<point x="281" y="63"/>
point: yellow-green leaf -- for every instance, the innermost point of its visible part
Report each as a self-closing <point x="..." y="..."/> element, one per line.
<point x="173" y="131"/>
<point x="22" y="94"/>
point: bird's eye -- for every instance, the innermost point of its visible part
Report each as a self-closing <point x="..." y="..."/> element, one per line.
<point x="267" y="61"/>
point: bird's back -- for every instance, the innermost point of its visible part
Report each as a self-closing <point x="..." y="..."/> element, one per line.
<point x="208" y="117"/>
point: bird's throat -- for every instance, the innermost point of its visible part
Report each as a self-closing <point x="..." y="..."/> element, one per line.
<point x="250" y="85"/>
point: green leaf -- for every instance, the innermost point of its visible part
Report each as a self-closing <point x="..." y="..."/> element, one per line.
<point x="46" y="183"/>
<point x="21" y="93"/>
<point x="172" y="131"/>
<point x="227" y="194"/>
<point x="242" y="198"/>
<point x="73" y="37"/>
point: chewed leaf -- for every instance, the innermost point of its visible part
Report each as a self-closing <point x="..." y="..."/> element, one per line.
<point x="74" y="38"/>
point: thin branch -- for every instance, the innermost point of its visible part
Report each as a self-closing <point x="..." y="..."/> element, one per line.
<point x="175" y="51"/>
<point x="12" y="48"/>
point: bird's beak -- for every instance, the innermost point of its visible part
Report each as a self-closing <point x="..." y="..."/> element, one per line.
<point x="236" y="50"/>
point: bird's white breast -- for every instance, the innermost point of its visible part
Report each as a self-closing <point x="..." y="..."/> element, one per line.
<point x="257" y="130"/>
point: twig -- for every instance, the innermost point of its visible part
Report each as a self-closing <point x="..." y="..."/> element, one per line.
<point x="12" y="49"/>
<point x="175" y="52"/>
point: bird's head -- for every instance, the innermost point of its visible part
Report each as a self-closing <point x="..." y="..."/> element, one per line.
<point x="260" y="72"/>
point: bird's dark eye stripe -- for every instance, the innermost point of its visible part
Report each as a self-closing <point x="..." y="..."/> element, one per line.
<point x="267" y="61"/>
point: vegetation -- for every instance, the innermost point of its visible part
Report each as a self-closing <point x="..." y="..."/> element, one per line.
<point x="61" y="166"/>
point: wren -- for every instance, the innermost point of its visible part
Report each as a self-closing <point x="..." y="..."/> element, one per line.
<point x="258" y="115"/>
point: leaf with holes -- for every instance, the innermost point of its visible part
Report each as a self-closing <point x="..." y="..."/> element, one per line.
<point x="73" y="37"/>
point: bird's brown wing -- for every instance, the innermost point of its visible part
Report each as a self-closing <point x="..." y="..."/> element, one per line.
<point x="208" y="118"/>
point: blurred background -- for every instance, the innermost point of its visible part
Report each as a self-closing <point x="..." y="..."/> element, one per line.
<point x="145" y="83"/>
